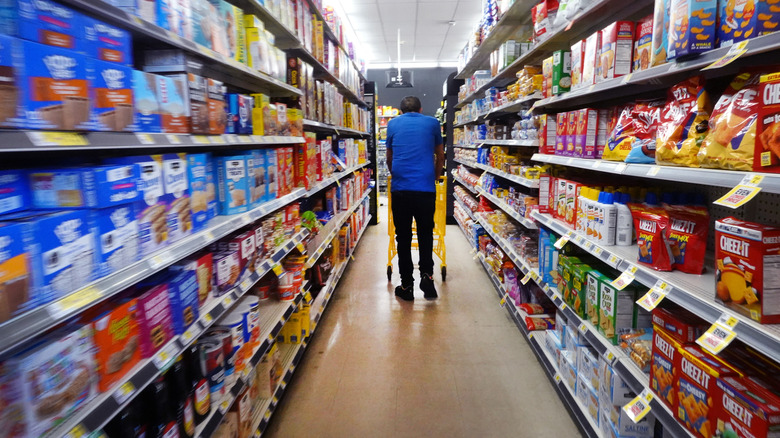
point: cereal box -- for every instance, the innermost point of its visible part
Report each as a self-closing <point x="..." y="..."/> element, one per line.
<point x="212" y="206"/>
<point x="233" y="185"/>
<point x="183" y="297"/>
<point x="116" y="238"/>
<point x="216" y="99"/>
<point x="664" y="367"/>
<point x="561" y="72"/>
<point x="117" y="343"/>
<point x="239" y="114"/>
<point x="14" y="191"/>
<point x="245" y="246"/>
<point x="111" y="93"/>
<point x="747" y="409"/>
<point x="200" y="198"/>
<point x="91" y="187"/>
<point x="271" y="172"/>
<point x="203" y="267"/>
<point x="643" y="44"/>
<point x="547" y="69"/>
<point x="154" y="320"/>
<point x="146" y="105"/>
<point x="577" y="59"/>
<point x="591" y="59"/>
<point x="746" y="256"/>
<point x="234" y="25"/>
<point x="691" y="27"/>
<point x="177" y="196"/>
<point x="48" y="382"/>
<point x="259" y="186"/>
<point x="585" y="133"/>
<point x="617" y="48"/>
<point x="8" y="82"/>
<point x="45" y="22"/>
<point x="105" y="42"/>
<point x="174" y="105"/>
<point x="197" y="90"/>
<point x="58" y="95"/>
<point x="15" y="292"/>
<point x="226" y="271"/>
<point x="660" y="39"/>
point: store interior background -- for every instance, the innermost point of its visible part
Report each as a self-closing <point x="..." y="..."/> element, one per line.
<point x="427" y="85"/>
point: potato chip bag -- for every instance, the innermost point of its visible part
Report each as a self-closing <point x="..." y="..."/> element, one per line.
<point x="621" y="136"/>
<point x="646" y="116"/>
<point x="651" y="224"/>
<point x="684" y="124"/>
<point x="687" y="237"/>
<point x="731" y="138"/>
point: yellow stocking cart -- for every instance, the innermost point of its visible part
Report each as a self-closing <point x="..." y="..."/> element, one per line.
<point x="439" y="229"/>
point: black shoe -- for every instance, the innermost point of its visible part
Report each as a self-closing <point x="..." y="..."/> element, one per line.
<point x="426" y="284"/>
<point x="405" y="293"/>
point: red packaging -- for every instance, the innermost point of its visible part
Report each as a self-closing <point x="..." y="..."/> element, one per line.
<point x="547" y="131"/>
<point x="531" y="308"/>
<point x="743" y="250"/>
<point x="560" y="198"/>
<point x="545" y="187"/>
<point x="560" y="133"/>
<point x="688" y="238"/>
<point x="617" y="47"/>
<point x="246" y="247"/>
<point x="651" y="230"/>
<point x="543" y="16"/>
<point x="746" y="409"/>
<point x="643" y="43"/>
<point x="571" y="133"/>
<point x="679" y="323"/>
<point x="767" y="155"/>
<point x="587" y="130"/>
<point x="154" y="320"/>
<point x="664" y="367"/>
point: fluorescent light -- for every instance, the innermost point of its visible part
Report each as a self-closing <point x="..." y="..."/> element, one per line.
<point x="408" y="65"/>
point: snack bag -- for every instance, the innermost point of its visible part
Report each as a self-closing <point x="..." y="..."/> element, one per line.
<point x="684" y="123"/>
<point x="660" y="32"/>
<point x="687" y="237"/>
<point x="730" y="142"/>
<point x="621" y="136"/>
<point x="646" y="116"/>
<point x="651" y="225"/>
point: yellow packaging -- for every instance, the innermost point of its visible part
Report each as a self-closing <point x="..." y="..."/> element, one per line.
<point x="295" y="119"/>
<point x="259" y="110"/>
<point x="251" y="47"/>
<point x="291" y="331"/>
<point x="319" y="41"/>
<point x="683" y="124"/>
<point x="305" y="313"/>
<point x="236" y="34"/>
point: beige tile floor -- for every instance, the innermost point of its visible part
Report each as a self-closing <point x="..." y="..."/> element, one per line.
<point x="454" y="367"/>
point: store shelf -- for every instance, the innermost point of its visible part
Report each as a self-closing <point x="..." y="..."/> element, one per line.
<point x="710" y="177"/>
<point x="331" y="128"/>
<point x="97" y="413"/>
<point x="31" y="324"/>
<point x="466" y="209"/>
<point x="327" y="182"/>
<point x="464" y="184"/>
<point x="509" y="23"/>
<point x="531" y="183"/>
<point x="332" y="35"/>
<point x="321" y="72"/>
<point x="39" y="141"/>
<point x="337" y="221"/>
<point x="466" y="235"/>
<point x="527" y="223"/>
<point x="693" y="292"/>
<point x="481" y="143"/>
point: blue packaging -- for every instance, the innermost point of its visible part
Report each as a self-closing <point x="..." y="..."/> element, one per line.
<point x="233" y="182"/>
<point x="8" y="80"/>
<point x="107" y="43"/>
<point x="145" y="102"/>
<point x="142" y="8"/>
<point x="548" y="256"/>
<point x="270" y="173"/>
<point x="116" y="238"/>
<point x="15" y="292"/>
<point x="260" y="191"/>
<point x="201" y="14"/>
<point x="197" y="169"/>
<point x="177" y="196"/>
<point x="183" y="297"/>
<point x="111" y="94"/>
<point x="239" y="114"/>
<point x="212" y="209"/>
<point x="90" y="187"/>
<point x="164" y="13"/>
<point x="342" y="151"/>
<point x="14" y="191"/>
<point x="45" y="22"/>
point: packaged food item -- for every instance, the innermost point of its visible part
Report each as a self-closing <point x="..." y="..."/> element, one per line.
<point x="593" y="296"/>
<point x="586" y="133"/>
<point x="621" y="137"/>
<point x="591" y="59"/>
<point x="748" y="408"/>
<point x="660" y="32"/>
<point x="646" y="117"/>
<point x="111" y="93"/>
<point x="651" y="225"/>
<point x="539" y="323"/>
<point x="226" y="271"/>
<point x="577" y="60"/>
<point x="560" y="133"/>
<point x="687" y="237"/>
<point x="89" y="187"/>
<point x="216" y="101"/>
<point x="184" y="301"/>
<point x="664" y="367"/>
<point x="543" y="15"/>
<point x="117" y="343"/>
<point x="116" y="238"/>
<point x="679" y="323"/>
<point x="145" y="102"/>
<point x="531" y="309"/>
<point x="105" y="42"/>
<point x="691" y="27"/>
<point x="45" y="22"/>
<point x="617" y="48"/>
<point x="547" y="69"/>
<point x="730" y="142"/>
<point x="767" y="155"/>
<point x="239" y="115"/>
<point x="561" y="72"/>
<point x="637" y="344"/>
<point x="746" y="254"/>
<point x="616" y="311"/>
<point x="571" y="133"/>
<point x="643" y="44"/>
<point x="15" y="271"/>
<point x="684" y="123"/>
<point x="744" y="19"/>
<point x="154" y="320"/>
<point x="14" y="191"/>
<point x="232" y="177"/>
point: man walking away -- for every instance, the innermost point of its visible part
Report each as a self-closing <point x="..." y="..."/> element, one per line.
<point x="415" y="157"/>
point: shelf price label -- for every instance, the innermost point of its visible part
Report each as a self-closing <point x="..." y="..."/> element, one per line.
<point x="563" y="240"/>
<point x="655" y="295"/>
<point x="625" y="278"/>
<point x="144" y="139"/>
<point x="223" y="407"/>
<point x="207" y="318"/>
<point x="738" y="196"/>
<point x="246" y="284"/>
<point x="57" y="139"/>
<point x="502" y="303"/>
<point x="74" y="301"/>
<point x="124" y="393"/>
<point x="164" y="357"/>
<point x="173" y="139"/>
<point x="583" y="328"/>
<point x="719" y="335"/>
<point x="277" y="268"/>
<point x="639" y="407"/>
<point x="78" y="431"/>
<point x="525" y="279"/>
<point x="621" y="167"/>
<point x="300" y="247"/>
<point x="610" y="357"/>
<point x="217" y="139"/>
<point x="653" y="170"/>
<point x="613" y="260"/>
<point x="734" y="52"/>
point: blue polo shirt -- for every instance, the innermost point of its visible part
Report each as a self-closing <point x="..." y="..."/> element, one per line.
<point x="413" y="138"/>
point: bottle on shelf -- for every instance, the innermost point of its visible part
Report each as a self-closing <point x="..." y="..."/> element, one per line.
<point x="181" y="396"/>
<point x="624" y="232"/>
<point x="199" y="383"/>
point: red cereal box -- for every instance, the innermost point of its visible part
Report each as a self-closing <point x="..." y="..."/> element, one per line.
<point x="743" y="250"/>
<point x="643" y="43"/>
<point x="664" y="367"/>
<point x="117" y="343"/>
<point x="766" y="157"/>
<point x="571" y="133"/>
<point x="560" y="133"/>
<point x="746" y="408"/>
<point x="679" y="323"/>
<point x="617" y="47"/>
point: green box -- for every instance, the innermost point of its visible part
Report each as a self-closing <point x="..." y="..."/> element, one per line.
<point x="579" y="286"/>
<point x="593" y="294"/>
<point x="561" y="72"/>
<point x="617" y="310"/>
<point x="565" y="264"/>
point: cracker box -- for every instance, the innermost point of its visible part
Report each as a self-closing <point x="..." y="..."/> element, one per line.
<point x="111" y="93"/>
<point x="217" y="119"/>
<point x="560" y="133"/>
<point x="244" y="245"/>
<point x="664" y="367"/>
<point x="691" y="27"/>
<point x="568" y="370"/>
<point x="106" y="42"/>
<point x="585" y="134"/>
<point x="226" y="271"/>
<point x="579" y="289"/>
<point x="48" y="382"/>
<point x="58" y="93"/>
<point x="14" y="191"/>
<point x="89" y="187"/>
<point x="146" y="105"/>
<point x="271" y="172"/>
<point x="747" y="409"/>
<point x="45" y="22"/>
<point x="572" y="202"/>
<point x="183" y="297"/>
<point x="621" y="426"/>
<point x="561" y="72"/>
<point x="577" y="59"/>
<point x="696" y="388"/>
<point x="679" y="324"/>
<point x="617" y="48"/>
<point x="571" y="133"/>
<point x="259" y="188"/>
<point x="174" y="104"/>
<point x="203" y="267"/>
<point x="547" y="67"/>
<point x="177" y="196"/>
<point x="200" y="199"/>
<point x="591" y="59"/>
<point x="117" y="343"/>
<point x="616" y="311"/>
<point x="197" y="90"/>
<point x="239" y="114"/>
<point x="212" y="206"/>
<point x="116" y="238"/>
<point x="155" y="322"/>
<point x="643" y="44"/>
<point x="660" y="38"/>
<point x="8" y="82"/>
<point x="233" y="185"/>
<point x="766" y="157"/>
<point x="743" y="250"/>
<point x="595" y="279"/>
<point x="15" y="271"/>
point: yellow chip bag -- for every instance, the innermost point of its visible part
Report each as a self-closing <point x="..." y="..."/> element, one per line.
<point x="684" y="124"/>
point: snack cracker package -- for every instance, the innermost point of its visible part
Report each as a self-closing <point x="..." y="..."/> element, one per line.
<point x="660" y="32"/>
<point x="117" y="343"/>
<point x="651" y="226"/>
<point x="646" y="116"/>
<point x="732" y="129"/>
<point x="688" y="238"/>
<point x="767" y="155"/>
<point x="621" y="136"/>
<point x="684" y="124"/>
<point x="744" y="19"/>
<point x="691" y="27"/>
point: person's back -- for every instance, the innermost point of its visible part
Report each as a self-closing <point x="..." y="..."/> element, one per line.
<point x="413" y="138"/>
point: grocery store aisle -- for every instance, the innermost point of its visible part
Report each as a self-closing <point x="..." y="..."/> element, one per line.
<point x="455" y="367"/>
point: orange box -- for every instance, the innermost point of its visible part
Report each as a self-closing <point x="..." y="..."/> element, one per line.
<point x="117" y="346"/>
<point x="766" y="155"/>
<point x="664" y="367"/>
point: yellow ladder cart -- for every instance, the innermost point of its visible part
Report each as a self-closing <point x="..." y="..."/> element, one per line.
<point x="439" y="229"/>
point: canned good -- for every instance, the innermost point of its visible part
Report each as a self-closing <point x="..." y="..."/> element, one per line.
<point x="214" y="364"/>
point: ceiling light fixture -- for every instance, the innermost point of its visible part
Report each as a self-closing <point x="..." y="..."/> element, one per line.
<point x="398" y="81"/>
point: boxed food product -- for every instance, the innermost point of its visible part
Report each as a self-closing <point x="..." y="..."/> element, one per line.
<point x="617" y="47"/>
<point x="233" y="18"/>
<point x="174" y="104"/>
<point x="660" y="32"/>
<point x="105" y="42"/>
<point x="203" y="267"/>
<point x="259" y="187"/>
<point x="747" y="409"/>
<point x="197" y="90"/>
<point x="691" y="27"/>
<point x="560" y="133"/>
<point x="271" y="172"/>
<point x="146" y="105"/>
<point x="216" y="96"/>
<point x="111" y="93"/>
<point x="245" y="246"/>
<point x="201" y="199"/>
<point x="767" y="155"/>
<point x="16" y="294"/>
<point x="579" y="286"/>
<point x="613" y="391"/>
<point x="89" y="187"/>
<point x="212" y="206"/>
<point x="202" y="16"/>
<point x="643" y="44"/>
<point x="745" y="257"/>
<point x="588" y="366"/>
<point x="116" y="238"/>
<point x="45" y="22"/>
<point x="591" y="59"/>
<point x="595" y="280"/>
<point x="117" y="347"/>
<point x="664" y="367"/>
<point x="585" y="136"/>
<point x="577" y="59"/>
<point x="184" y="301"/>
<point x="616" y="311"/>
<point x="227" y="269"/>
<point x="568" y="370"/>
<point x="239" y="114"/>
<point x="177" y="196"/>
<point x="48" y="382"/>
<point x="154" y="320"/>
<point x="233" y="190"/>
<point x="571" y="133"/>
<point x="621" y="426"/>
<point x="679" y="324"/>
<point x="561" y="72"/>
<point x="14" y="191"/>
<point x="547" y="69"/>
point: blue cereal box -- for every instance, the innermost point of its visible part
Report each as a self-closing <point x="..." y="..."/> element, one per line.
<point x="239" y="114"/>
<point x="145" y="102"/>
<point x="691" y="27"/>
<point x="116" y="238"/>
<point x="111" y="93"/>
<point x="202" y="12"/>
<point x="14" y="191"/>
<point x="197" y="168"/>
<point x="233" y="184"/>
<point x="107" y="43"/>
<point x="89" y="187"/>
<point x="15" y="293"/>
<point x="744" y="19"/>
<point x="57" y="91"/>
<point x="177" y="196"/>
<point x="211" y="190"/>
<point x="259" y="192"/>
<point x="183" y="296"/>
<point x="270" y="174"/>
<point x="45" y="22"/>
<point x="9" y="82"/>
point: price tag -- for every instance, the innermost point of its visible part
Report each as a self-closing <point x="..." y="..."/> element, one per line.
<point x="597" y="250"/>
<point x="207" y="318"/>
<point x="597" y="164"/>
<point x="300" y="247"/>
<point x="525" y="279"/>
<point x="223" y="407"/>
<point x="244" y="139"/>
<point x="624" y="279"/>
<point x="738" y="196"/>
<point x="124" y="392"/>
<point x="159" y="260"/>
<point x="583" y="328"/>
<point x="246" y="284"/>
<point x="502" y="303"/>
<point x="267" y="415"/>
<point x="563" y="240"/>
<point x="228" y="301"/>
<point x="579" y="240"/>
<point x="44" y="138"/>
<point x="557" y="378"/>
<point x="164" y="357"/>
<point x="639" y="407"/>
<point x="338" y="182"/>
<point x="569" y="161"/>
<point x="77" y="432"/>
<point x="653" y="170"/>
<point x="621" y="167"/>
<point x="735" y="51"/>
<point x="610" y="357"/>
<point x="144" y="138"/>
<point x="655" y="295"/>
<point x="74" y="301"/>
<point x="200" y="139"/>
<point x="256" y="434"/>
<point x="231" y="138"/>
<point x="719" y="335"/>
<point x="534" y="276"/>
<point x="217" y="139"/>
<point x="613" y="260"/>
<point x="307" y="297"/>
<point x="752" y="179"/>
<point x="188" y="335"/>
<point x="277" y="268"/>
<point x="173" y="139"/>
<point x="626" y="78"/>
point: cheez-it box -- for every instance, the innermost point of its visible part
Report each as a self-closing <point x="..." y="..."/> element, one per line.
<point x="691" y="27"/>
<point x="747" y="409"/>
<point x="664" y="367"/>
<point x="766" y="157"/>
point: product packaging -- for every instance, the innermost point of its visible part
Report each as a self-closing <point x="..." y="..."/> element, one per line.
<point x="660" y="32"/>
<point x="146" y="104"/>
<point x="665" y="367"/>
<point x="683" y="124"/>
<point x="105" y="42"/>
<point x="174" y="107"/>
<point x="16" y="293"/>
<point x="691" y="27"/>
<point x="184" y="301"/>
<point x="202" y="197"/>
<point x="90" y="187"/>
<point x="117" y="343"/>
<point x="592" y="59"/>
<point x="155" y="322"/>
<point x="116" y="238"/>
<point x="239" y="114"/>
<point x="561" y="72"/>
<point x="45" y="22"/>
<point x="233" y="184"/>
<point x="643" y="44"/>
<point x="111" y="93"/>
<point x="617" y="47"/>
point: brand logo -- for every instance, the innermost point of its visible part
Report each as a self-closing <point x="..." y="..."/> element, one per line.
<point x="108" y="30"/>
<point x="734" y="246"/>
<point x="68" y="231"/>
<point x="114" y="78"/>
<point x="175" y="178"/>
<point x="664" y="347"/>
<point x="771" y="94"/>
<point x="683" y="226"/>
<point x="60" y="67"/>
<point x="8" y="179"/>
<point x="738" y="411"/>
<point x="646" y="225"/>
<point x="45" y="6"/>
<point x="697" y="374"/>
<point x="120" y="217"/>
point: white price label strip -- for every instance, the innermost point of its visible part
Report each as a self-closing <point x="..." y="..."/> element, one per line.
<point x="719" y="335"/>
<point x="653" y="170"/>
<point x="223" y="407"/>
<point x="625" y="278"/>
<point x="613" y="260"/>
<point x="124" y="393"/>
<point x="163" y="358"/>
<point x="639" y="407"/>
<point x="145" y="139"/>
<point x="525" y="279"/>
<point x="655" y="295"/>
<point x="563" y="240"/>
<point x="738" y="196"/>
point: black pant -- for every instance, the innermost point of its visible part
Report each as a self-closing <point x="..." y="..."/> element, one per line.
<point x="420" y="206"/>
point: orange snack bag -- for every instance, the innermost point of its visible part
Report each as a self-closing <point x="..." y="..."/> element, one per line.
<point x="684" y="123"/>
<point x="651" y="224"/>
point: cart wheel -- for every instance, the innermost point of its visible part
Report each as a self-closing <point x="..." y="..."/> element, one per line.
<point x="389" y="273"/>
<point x="443" y="273"/>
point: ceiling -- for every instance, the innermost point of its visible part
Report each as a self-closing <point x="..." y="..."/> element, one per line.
<point x="427" y="35"/>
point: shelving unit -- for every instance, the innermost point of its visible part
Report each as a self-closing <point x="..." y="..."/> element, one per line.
<point x="527" y="223"/>
<point x="338" y="130"/>
<point x="514" y="178"/>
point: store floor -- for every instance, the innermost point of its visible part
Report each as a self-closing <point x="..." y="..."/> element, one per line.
<point x="455" y="367"/>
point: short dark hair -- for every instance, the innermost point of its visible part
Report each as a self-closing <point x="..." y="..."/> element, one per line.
<point x="410" y="104"/>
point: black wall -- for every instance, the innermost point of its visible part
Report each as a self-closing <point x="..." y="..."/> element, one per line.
<point x="427" y="86"/>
